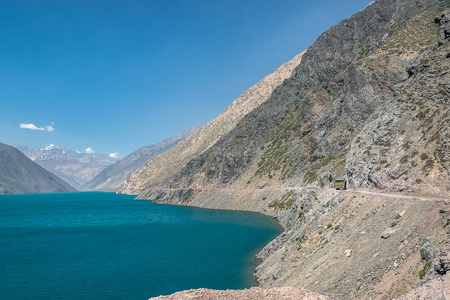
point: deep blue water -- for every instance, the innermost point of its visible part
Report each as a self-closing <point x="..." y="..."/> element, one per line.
<point x="107" y="246"/>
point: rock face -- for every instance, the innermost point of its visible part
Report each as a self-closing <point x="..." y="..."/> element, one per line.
<point x="163" y="166"/>
<point x="353" y="107"/>
<point x="113" y="177"/>
<point x="74" y="167"/>
<point x="20" y="175"/>
<point x="369" y="101"/>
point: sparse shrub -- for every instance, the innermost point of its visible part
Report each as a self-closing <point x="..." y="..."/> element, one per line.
<point x="423" y="156"/>
<point x="429" y="164"/>
<point x="447" y="223"/>
<point x="422" y="273"/>
<point x="407" y="145"/>
<point x="404" y="159"/>
<point x="329" y="225"/>
<point x="280" y="205"/>
<point x="419" y="181"/>
<point x="413" y="164"/>
<point x="426" y="267"/>
<point x="422" y="114"/>
<point x="363" y="51"/>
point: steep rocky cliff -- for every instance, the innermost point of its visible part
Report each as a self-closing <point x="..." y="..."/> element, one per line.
<point x="343" y="112"/>
<point x="113" y="177"/>
<point x="20" y="175"/>
<point x="159" y="168"/>
<point x="369" y="101"/>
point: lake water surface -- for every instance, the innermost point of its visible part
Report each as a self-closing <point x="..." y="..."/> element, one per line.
<point x="108" y="246"/>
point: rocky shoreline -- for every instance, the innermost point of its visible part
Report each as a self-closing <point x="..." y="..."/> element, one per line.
<point x="345" y="244"/>
<point x="255" y="293"/>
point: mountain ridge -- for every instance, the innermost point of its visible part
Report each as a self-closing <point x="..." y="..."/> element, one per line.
<point x="73" y="166"/>
<point x="199" y="142"/>
<point x="20" y="175"/>
<point x="113" y="177"/>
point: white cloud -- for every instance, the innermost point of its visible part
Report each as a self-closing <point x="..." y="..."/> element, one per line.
<point x="31" y="126"/>
<point x="114" y="155"/>
<point x="89" y="150"/>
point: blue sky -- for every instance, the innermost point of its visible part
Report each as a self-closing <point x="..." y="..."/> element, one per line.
<point x="118" y="75"/>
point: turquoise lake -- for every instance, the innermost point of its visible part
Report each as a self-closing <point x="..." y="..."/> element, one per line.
<point x="108" y="246"/>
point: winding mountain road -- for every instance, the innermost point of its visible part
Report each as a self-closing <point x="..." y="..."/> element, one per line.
<point x="401" y="196"/>
<point x="389" y="195"/>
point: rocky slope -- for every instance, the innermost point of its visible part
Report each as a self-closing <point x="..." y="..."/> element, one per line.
<point x="355" y="106"/>
<point x="20" y="175"/>
<point x="284" y="293"/>
<point x="159" y="168"/>
<point x="113" y="177"/>
<point x="369" y="101"/>
<point x="74" y="167"/>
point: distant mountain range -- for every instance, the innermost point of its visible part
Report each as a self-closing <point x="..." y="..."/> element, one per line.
<point x="73" y="166"/>
<point x="113" y="177"/>
<point x="20" y="175"/>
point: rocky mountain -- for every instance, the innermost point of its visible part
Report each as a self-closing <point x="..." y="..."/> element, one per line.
<point x="113" y="177"/>
<point x="20" y="175"/>
<point x="159" y="168"/>
<point x="73" y="166"/>
<point x="369" y="101"/>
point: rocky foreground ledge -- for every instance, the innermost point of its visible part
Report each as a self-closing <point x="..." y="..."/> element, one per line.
<point x="254" y="293"/>
<point x="433" y="287"/>
<point x="436" y="288"/>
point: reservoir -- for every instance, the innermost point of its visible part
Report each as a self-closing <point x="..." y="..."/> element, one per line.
<point x="94" y="245"/>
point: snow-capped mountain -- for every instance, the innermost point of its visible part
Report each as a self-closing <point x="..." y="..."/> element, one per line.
<point x="73" y="166"/>
<point x="19" y="175"/>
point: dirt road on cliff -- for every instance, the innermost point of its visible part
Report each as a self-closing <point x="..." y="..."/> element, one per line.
<point x="401" y="196"/>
